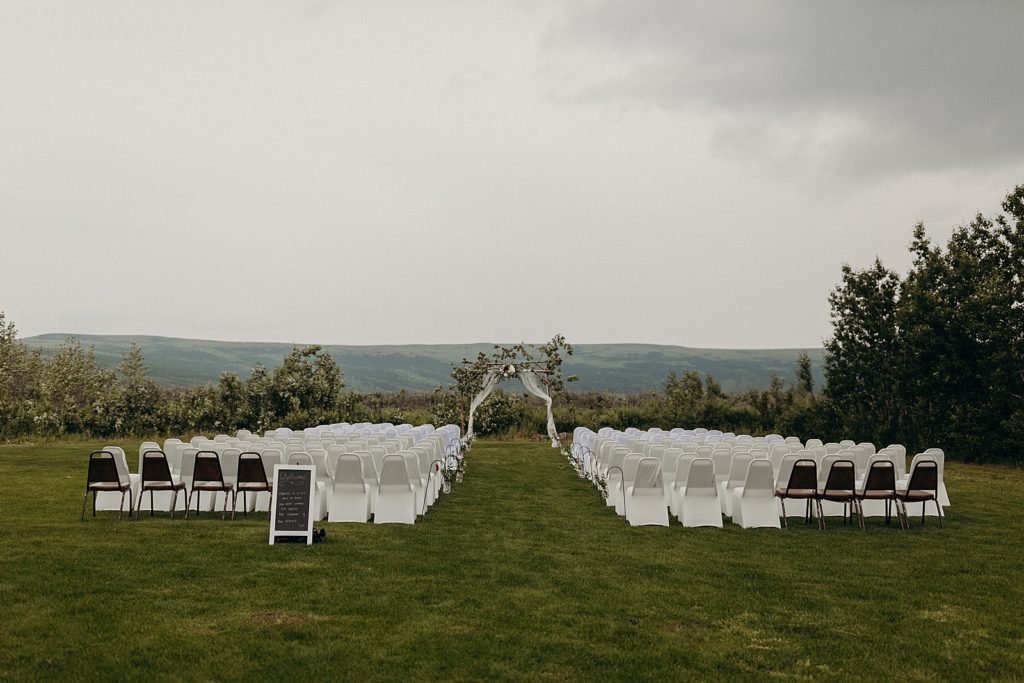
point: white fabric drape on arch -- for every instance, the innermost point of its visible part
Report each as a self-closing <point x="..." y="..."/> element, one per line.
<point x="533" y="385"/>
<point x="489" y="384"/>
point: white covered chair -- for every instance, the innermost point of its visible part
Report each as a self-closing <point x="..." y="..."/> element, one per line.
<point x="396" y="498"/>
<point x="737" y="475"/>
<point x="683" y="463"/>
<point x="350" y="499"/>
<point x="370" y="477"/>
<point x="645" y="499"/>
<point x="271" y="457"/>
<point x="412" y="464"/>
<point x="629" y="467"/>
<point x="753" y="504"/>
<point x="699" y="504"/>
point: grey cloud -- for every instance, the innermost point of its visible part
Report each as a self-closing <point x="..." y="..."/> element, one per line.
<point x="845" y="88"/>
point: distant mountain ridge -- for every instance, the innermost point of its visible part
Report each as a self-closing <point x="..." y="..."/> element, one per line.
<point x="616" y="368"/>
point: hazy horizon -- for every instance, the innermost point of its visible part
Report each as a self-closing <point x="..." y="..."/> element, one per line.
<point x="455" y="343"/>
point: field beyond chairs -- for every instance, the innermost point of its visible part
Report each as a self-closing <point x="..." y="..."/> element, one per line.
<point x="520" y="573"/>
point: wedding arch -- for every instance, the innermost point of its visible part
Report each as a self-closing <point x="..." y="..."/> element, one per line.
<point x="538" y="368"/>
<point x="535" y="379"/>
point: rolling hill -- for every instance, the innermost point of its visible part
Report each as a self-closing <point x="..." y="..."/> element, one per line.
<point x="617" y="368"/>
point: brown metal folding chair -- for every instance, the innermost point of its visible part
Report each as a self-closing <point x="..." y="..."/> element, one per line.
<point x="156" y="476"/>
<point x="841" y="487"/>
<point x="103" y="476"/>
<point x="208" y="476"/>
<point x="880" y="484"/>
<point x="802" y="485"/>
<point x="251" y="477"/>
<point x="922" y="487"/>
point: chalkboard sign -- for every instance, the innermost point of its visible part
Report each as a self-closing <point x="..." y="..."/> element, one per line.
<point x="291" y="507"/>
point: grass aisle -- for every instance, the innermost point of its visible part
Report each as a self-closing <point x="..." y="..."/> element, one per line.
<point x="521" y="573"/>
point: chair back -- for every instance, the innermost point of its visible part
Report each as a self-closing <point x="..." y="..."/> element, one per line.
<point x="229" y="463"/>
<point x="683" y="463"/>
<point x="394" y="472"/>
<point x="334" y="451"/>
<point x="207" y="467"/>
<point x="722" y="460"/>
<point x="842" y="477"/>
<point x="102" y="469"/>
<point x="349" y="471"/>
<point x="412" y="464"/>
<point x="924" y="476"/>
<point x="629" y="466"/>
<point x="759" y="480"/>
<point x="369" y="469"/>
<point x="826" y="466"/>
<point x="379" y="453"/>
<point x="155" y="467"/>
<point x="701" y="478"/>
<point x="738" y="469"/>
<point x="618" y="456"/>
<point x="803" y="477"/>
<point x="786" y="468"/>
<point x="270" y="457"/>
<point x="648" y="475"/>
<point x="251" y="469"/>
<point x="300" y="458"/>
<point x="146" y="446"/>
<point x="881" y="476"/>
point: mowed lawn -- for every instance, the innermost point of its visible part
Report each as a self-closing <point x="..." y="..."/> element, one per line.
<point x="521" y="573"/>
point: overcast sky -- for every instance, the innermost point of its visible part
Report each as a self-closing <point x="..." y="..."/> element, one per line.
<point x="403" y="172"/>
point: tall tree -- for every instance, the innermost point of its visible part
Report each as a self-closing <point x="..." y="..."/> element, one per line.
<point x="861" y="357"/>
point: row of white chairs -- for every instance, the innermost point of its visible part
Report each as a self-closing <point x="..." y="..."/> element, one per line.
<point x="392" y="473"/>
<point x="739" y="472"/>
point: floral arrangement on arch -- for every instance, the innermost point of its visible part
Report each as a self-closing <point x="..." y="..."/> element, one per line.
<point x="507" y="371"/>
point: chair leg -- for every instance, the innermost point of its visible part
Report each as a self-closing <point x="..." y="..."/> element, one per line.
<point x="942" y="521"/>
<point x="860" y="514"/>
<point x="85" y="499"/>
<point x="138" y="508"/>
<point x="120" y="509"/>
<point x="174" y="502"/>
<point x="924" y="504"/>
<point x="821" y="515"/>
<point x="901" y="512"/>
<point x="188" y="503"/>
<point x="93" y="503"/>
<point x="234" y="503"/>
<point x="152" y="507"/>
<point x="785" y="520"/>
<point x="224" y="513"/>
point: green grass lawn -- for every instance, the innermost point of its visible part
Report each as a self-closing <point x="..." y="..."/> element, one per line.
<point x="520" y="573"/>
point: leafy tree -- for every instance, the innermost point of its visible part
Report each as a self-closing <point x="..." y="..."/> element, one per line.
<point x="307" y="387"/>
<point x="232" y="398"/>
<point x="936" y="358"/>
<point x="861" y="358"/>
<point x="804" y="376"/>
<point x="76" y="390"/>
<point x="135" y="400"/>
<point x="19" y="382"/>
